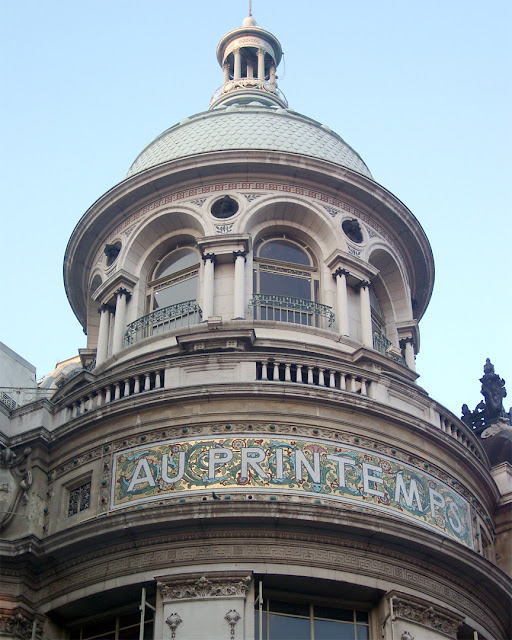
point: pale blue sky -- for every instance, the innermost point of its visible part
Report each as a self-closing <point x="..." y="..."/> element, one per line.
<point x="420" y="89"/>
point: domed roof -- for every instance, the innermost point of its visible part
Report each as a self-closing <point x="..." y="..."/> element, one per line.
<point x="252" y="126"/>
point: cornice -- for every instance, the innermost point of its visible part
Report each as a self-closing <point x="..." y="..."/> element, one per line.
<point x="479" y="591"/>
<point x="119" y="203"/>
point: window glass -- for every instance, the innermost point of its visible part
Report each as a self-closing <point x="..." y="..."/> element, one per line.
<point x="175" y="293"/>
<point x="288" y="628"/>
<point x="334" y="630"/>
<point x="285" y="251"/>
<point x="283" y="620"/>
<point x="276" y="284"/>
<point x="176" y="261"/>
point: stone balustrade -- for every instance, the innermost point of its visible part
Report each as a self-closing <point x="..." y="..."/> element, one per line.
<point x="116" y="390"/>
<point x="457" y="431"/>
<point x="331" y="378"/>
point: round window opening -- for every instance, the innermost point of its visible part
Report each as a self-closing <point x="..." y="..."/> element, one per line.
<point x="224" y="207"/>
<point x="352" y="230"/>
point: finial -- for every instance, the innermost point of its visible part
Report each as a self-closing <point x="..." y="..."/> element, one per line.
<point x="250" y="9"/>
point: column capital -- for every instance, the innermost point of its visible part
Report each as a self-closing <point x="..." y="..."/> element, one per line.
<point x="122" y="291"/>
<point x="405" y="341"/>
<point x="240" y="254"/>
<point x="364" y="284"/>
<point x="208" y="256"/>
<point x="105" y="307"/>
<point x="340" y="272"/>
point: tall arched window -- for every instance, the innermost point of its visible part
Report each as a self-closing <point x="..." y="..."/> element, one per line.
<point x="171" y="296"/>
<point x="174" y="279"/>
<point x="283" y="267"/>
<point x="286" y="283"/>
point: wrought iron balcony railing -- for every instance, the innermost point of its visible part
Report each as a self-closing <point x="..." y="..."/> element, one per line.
<point x="382" y="345"/>
<point x="183" y="314"/>
<point x="294" y="310"/>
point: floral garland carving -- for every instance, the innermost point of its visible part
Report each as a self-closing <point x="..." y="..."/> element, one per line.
<point x="213" y="586"/>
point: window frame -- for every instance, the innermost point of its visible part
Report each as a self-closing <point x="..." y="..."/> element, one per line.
<point x="153" y="285"/>
<point x="311" y="272"/>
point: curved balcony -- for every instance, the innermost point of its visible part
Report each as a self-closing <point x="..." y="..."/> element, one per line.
<point x="176" y="316"/>
<point x="295" y="310"/>
<point x="384" y="346"/>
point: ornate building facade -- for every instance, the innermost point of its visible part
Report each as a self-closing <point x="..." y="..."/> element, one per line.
<point x="243" y="450"/>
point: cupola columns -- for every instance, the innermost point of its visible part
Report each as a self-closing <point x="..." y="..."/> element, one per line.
<point x="122" y="296"/>
<point x="102" y="351"/>
<point x="239" y="289"/>
<point x="342" y="300"/>
<point x="249" y="57"/>
<point x="366" y="314"/>
<point x="208" y="286"/>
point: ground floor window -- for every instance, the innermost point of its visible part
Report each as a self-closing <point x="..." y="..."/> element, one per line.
<point x="119" y="627"/>
<point x="299" y="621"/>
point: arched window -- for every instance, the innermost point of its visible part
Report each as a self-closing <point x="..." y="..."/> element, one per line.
<point x="285" y="267"/>
<point x="286" y="283"/>
<point x="174" y="279"/>
<point x="378" y="324"/>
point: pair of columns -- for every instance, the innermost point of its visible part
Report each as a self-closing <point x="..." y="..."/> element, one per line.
<point x="340" y="276"/>
<point x="237" y="67"/>
<point x="112" y="321"/>
<point x="238" y="287"/>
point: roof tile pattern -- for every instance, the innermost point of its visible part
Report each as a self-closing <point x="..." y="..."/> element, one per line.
<point x="249" y="127"/>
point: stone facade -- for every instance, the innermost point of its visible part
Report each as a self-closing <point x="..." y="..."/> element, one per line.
<point x="244" y="442"/>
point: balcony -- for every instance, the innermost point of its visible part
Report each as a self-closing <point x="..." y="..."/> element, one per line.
<point x="384" y="346"/>
<point x="295" y="310"/>
<point x="177" y="316"/>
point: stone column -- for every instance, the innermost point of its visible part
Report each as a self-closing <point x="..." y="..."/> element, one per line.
<point x="122" y="296"/>
<point x="239" y="288"/>
<point x="238" y="64"/>
<point x="340" y="275"/>
<point x="273" y="74"/>
<point x="225" y="70"/>
<point x="208" y="284"/>
<point x="102" y="350"/>
<point x="366" y="314"/>
<point x="261" y="64"/>
<point x="407" y="344"/>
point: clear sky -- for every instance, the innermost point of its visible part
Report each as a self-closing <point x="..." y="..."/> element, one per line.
<point x="421" y="90"/>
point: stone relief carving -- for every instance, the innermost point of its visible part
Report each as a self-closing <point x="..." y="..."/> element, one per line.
<point x="406" y="636"/>
<point x="215" y="586"/>
<point x="331" y="211"/>
<point x="426" y="615"/>
<point x="174" y="621"/>
<point x="19" y="626"/>
<point x="15" y="481"/>
<point x="232" y="617"/>
<point x="222" y="229"/>
<point x="199" y="202"/>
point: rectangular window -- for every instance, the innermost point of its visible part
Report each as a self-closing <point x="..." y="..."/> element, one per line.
<point x="79" y="498"/>
<point x="292" y="621"/>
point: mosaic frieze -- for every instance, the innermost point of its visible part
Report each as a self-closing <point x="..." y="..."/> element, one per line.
<point x="284" y="465"/>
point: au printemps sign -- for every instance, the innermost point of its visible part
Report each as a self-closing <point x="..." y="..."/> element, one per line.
<point x="276" y="465"/>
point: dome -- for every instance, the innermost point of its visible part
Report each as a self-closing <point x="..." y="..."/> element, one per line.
<point x="252" y="126"/>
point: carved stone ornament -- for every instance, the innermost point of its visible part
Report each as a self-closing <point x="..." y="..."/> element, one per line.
<point x="15" y="481"/>
<point x="174" y="621"/>
<point x="18" y="626"/>
<point x="198" y="586"/>
<point x="232" y="616"/>
<point x="406" y="636"/>
<point x="426" y="615"/>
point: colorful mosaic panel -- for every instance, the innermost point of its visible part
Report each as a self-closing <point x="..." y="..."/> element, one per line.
<point x="314" y="468"/>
